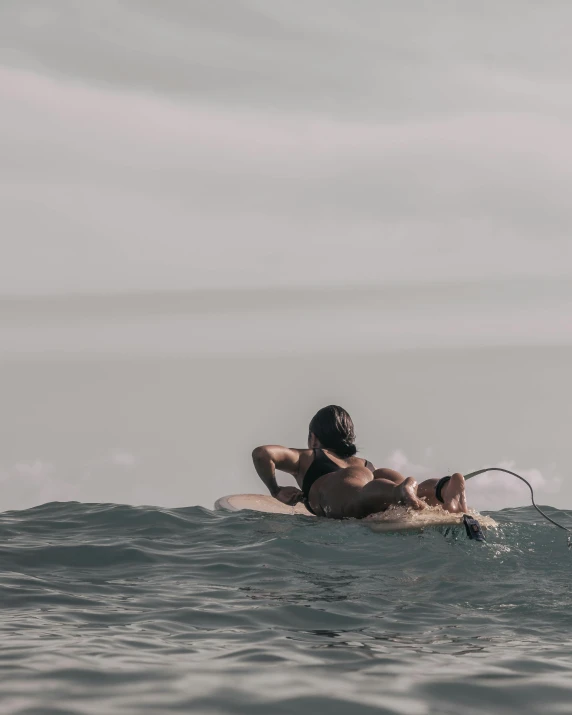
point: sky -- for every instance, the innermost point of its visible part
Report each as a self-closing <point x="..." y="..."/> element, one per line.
<point x="256" y="144"/>
<point x="303" y="203"/>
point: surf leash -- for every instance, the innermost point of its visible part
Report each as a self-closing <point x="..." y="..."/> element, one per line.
<point x="528" y="484"/>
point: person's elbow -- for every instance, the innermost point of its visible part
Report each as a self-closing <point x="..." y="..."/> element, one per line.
<point x="260" y="454"/>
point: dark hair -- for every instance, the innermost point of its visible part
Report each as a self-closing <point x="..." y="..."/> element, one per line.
<point x="333" y="426"/>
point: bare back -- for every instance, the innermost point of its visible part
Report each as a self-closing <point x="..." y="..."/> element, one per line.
<point x="310" y="457"/>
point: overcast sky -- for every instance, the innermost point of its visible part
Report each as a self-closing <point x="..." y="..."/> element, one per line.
<point x="180" y="144"/>
<point x="423" y="149"/>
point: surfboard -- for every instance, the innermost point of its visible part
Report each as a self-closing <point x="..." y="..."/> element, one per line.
<point x="259" y="502"/>
<point x="400" y="518"/>
<point x="394" y="519"/>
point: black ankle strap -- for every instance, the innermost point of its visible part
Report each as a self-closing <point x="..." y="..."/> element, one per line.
<point x="438" y="488"/>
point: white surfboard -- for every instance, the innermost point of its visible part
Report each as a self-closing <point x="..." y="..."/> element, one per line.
<point x="394" y="519"/>
<point x="259" y="502"/>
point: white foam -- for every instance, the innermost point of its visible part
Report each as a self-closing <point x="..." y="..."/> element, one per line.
<point x="404" y="518"/>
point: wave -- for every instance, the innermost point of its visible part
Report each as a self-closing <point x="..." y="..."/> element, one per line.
<point x="190" y="609"/>
<point x="74" y="534"/>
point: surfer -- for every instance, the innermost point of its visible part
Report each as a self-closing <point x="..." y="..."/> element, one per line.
<point x="333" y="482"/>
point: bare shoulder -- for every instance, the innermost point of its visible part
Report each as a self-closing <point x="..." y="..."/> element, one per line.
<point x="306" y="454"/>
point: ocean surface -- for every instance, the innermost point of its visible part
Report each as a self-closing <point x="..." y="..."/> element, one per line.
<point x="120" y="609"/>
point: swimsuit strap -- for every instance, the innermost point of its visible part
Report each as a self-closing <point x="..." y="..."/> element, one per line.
<point x="320" y="465"/>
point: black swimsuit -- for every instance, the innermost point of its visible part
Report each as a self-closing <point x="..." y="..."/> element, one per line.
<point x="321" y="465"/>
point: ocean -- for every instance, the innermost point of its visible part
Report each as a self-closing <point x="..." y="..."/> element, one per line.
<point x="121" y="609"/>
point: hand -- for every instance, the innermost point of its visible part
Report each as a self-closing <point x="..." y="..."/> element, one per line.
<point x="289" y="495"/>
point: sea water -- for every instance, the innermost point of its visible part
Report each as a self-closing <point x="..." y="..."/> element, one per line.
<point x="120" y="609"/>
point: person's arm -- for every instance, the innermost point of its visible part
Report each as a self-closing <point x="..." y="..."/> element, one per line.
<point x="267" y="459"/>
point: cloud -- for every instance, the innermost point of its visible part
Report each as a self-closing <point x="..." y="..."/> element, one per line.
<point x="27" y="484"/>
<point x="127" y="191"/>
<point x="493" y="490"/>
<point x="399" y="461"/>
<point x="344" y="59"/>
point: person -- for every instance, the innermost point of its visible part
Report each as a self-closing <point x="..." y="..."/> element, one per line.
<point x="334" y="482"/>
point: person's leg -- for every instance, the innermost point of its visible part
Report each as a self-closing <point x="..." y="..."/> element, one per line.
<point x="452" y="493"/>
<point x="389" y="475"/>
<point x="379" y="494"/>
<point x="353" y="493"/>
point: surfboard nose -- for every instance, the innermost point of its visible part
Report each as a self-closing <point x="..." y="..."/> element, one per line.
<point x="258" y="502"/>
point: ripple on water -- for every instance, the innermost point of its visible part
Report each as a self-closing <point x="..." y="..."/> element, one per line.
<point x="121" y="609"/>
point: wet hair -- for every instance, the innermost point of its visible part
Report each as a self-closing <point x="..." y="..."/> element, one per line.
<point x="333" y="426"/>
